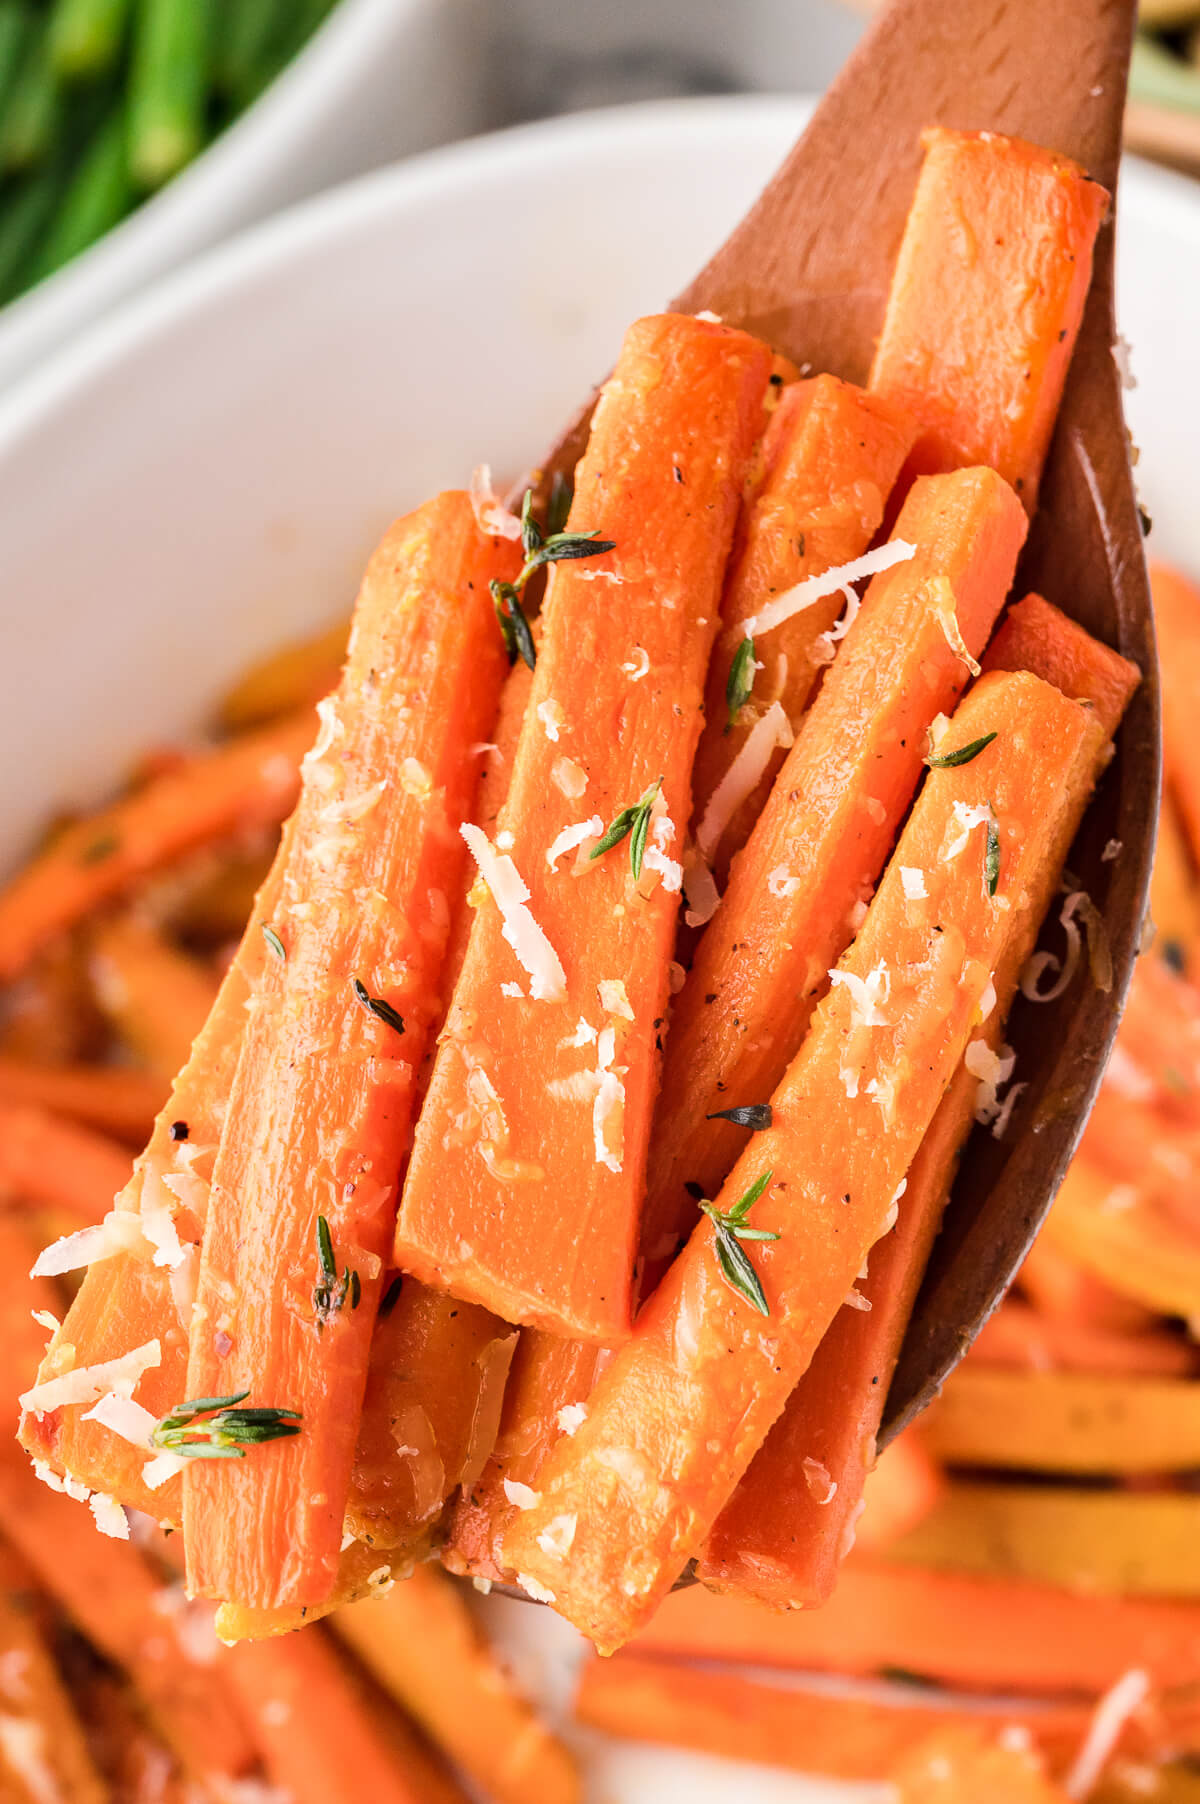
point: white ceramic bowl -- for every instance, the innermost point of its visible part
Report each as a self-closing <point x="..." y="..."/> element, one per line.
<point x="203" y="476"/>
<point x="379" y="80"/>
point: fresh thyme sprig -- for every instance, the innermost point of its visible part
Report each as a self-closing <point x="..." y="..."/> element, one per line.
<point x="554" y="547"/>
<point x="964" y="754"/>
<point x="215" y="1428"/>
<point x="753" y="1115"/>
<point x="739" y="685"/>
<point x="633" y="821"/>
<point x="274" y="943"/>
<point x="375" y="1005"/>
<point x="332" y="1292"/>
<point x="731" y="1230"/>
<point x="991" y="852"/>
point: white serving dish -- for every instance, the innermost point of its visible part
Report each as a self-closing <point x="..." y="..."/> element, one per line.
<point x="204" y="474"/>
<point x="379" y="80"/>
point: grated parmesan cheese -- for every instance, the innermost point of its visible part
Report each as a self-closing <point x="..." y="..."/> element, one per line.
<point x="1111" y="1715"/>
<point x="551" y="716"/>
<point x="569" y="778"/>
<point x="608" y="1108"/>
<point x="1062" y="971"/>
<point x="110" y="1518"/>
<point x="700" y="888"/>
<point x="780" y="882"/>
<point x="571" y="1417"/>
<point x="912" y="882"/>
<point x="511" y="989"/>
<point x="945" y="605"/>
<point x="65" y="1484"/>
<point x="866" y="995"/>
<point x="522" y="1497"/>
<point x="637" y="667"/>
<point x="556" y="1538"/>
<point x="570" y="837"/>
<point x="816" y="588"/>
<point x="993" y="1069"/>
<point x="119" y="1232"/>
<point x="854" y="1299"/>
<point x="540" y="1594"/>
<point x="742" y="778"/>
<point x="821" y="1484"/>
<point x="662" y="834"/>
<point x="825" y="645"/>
<point x="613" y="998"/>
<point x="676" y="977"/>
<point x="491" y="515"/>
<point x="87" y="1383"/>
<point x="547" y="979"/>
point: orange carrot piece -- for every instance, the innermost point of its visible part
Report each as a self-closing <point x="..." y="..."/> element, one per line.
<point x="248" y="783"/>
<point x="1177" y="619"/>
<point x="960" y="1629"/>
<point x="110" y="1098"/>
<point x="986" y="301"/>
<point x="843" y="1735"/>
<point x="113" y="1596"/>
<point x="899" y="1491"/>
<point x="338" y="1034"/>
<point x="363" y="1573"/>
<point x="292" y="676"/>
<point x="156" y="996"/>
<point x="1035" y="635"/>
<point x="22" y="1340"/>
<point x="135" y="1762"/>
<point x="689" y="1399"/>
<point x="797" y="889"/>
<point x="831" y="455"/>
<point x="1175" y="894"/>
<point x="783" y="1541"/>
<point x="961" y="1762"/>
<point x="319" y="1737"/>
<point x="1019" y="1338"/>
<point x="55" y="1163"/>
<point x="1058" y="1287"/>
<point x="50" y="1758"/>
<point x="421" y="1644"/>
<point x="614" y="716"/>
<point x="1135" y="1246"/>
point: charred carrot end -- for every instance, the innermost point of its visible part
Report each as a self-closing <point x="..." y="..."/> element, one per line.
<point x="1035" y="635"/>
<point x="566" y="971"/>
<point x="1008" y="231"/>
<point x="250" y="782"/>
<point x="689" y="1399"/>
<point x="959" y="1762"/>
<point x="1177" y="620"/>
<point x="288" y="1293"/>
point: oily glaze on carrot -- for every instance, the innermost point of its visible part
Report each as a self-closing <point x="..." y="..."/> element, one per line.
<point x="781" y="1540"/>
<point x="986" y="301"/>
<point x="250" y="782"/>
<point x="546" y="1071"/>
<point x="798" y="887"/>
<point x="320" y="1110"/>
<point x="690" y="1398"/>
<point x="831" y="455"/>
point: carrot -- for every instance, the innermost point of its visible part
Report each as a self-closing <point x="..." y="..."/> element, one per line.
<point x="135" y="1763"/>
<point x="844" y="1735"/>
<point x="43" y="1752"/>
<point x="364" y="1573"/>
<point x="687" y="1402"/>
<point x="338" y="1034"/>
<point x="155" y="996"/>
<point x="963" y="1762"/>
<point x="1174" y="894"/>
<point x="1018" y="1337"/>
<point x="318" y="1738"/>
<point x="831" y="455"/>
<point x="781" y="1540"/>
<point x="1065" y="1422"/>
<point x="22" y="1339"/>
<point x="420" y="1643"/>
<point x="1059" y="1288"/>
<point x="1160" y="1035"/>
<point x="899" y="1491"/>
<point x="55" y="1163"/>
<point x="986" y="301"/>
<point x="1140" y="1543"/>
<point x="112" y="1595"/>
<point x="1125" y="1237"/>
<point x="960" y="1629"/>
<point x="248" y="783"/>
<point x="111" y="1098"/>
<point x="1177" y="619"/>
<point x="613" y="721"/>
<point x="48" y="1014"/>
<point x="797" y="889"/>
<point x="293" y="676"/>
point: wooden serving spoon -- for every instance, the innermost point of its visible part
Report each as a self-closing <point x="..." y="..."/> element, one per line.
<point x="808" y="269"/>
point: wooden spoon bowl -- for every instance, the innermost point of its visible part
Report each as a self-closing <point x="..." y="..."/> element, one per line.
<point x="808" y="269"/>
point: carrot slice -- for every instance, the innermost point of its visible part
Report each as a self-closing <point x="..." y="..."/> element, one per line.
<point x="797" y="889"/>
<point x="961" y="1629"/>
<point x="688" y="1401"/>
<point x="1018" y="1337"/>
<point x="1058" y="1287"/>
<point x="578" y="993"/>
<point x="156" y="996"/>
<point x="899" y="1491"/>
<point x="960" y="1762"/>
<point x="46" y="1160"/>
<point x="338" y="1034"/>
<point x="1127" y="1238"/>
<point x="1175" y="893"/>
<point x="1007" y="230"/>
<point x="319" y="1738"/>
<point x="1065" y="1422"/>
<point x="1177" y="619"/>
<point x="250" y="782"/>
<point x="421" y="1644"/>
<point x="782" y="1540"/>
<point x="831" y="456"/>
<point x="111" y="1098"/>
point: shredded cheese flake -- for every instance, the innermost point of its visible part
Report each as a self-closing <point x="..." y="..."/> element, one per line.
<point x="700" y="888"/>
<point x="742" y="778"/>
<point x="945" y="605"/>
<point x="551" y="716"/>
<point x="993" y="1069"/>
<point x="522" y="1497"/>
<point x="110" y="1518"/>
<point x="121" y="1231"/>
<point x="781" y="883"/>
<point x="912" y="882"/>
<point x="491" y="515"/>
<point x="662" y="835"/>
<point x="608" y="1107"/>
<point x="1111" y="1715"/>
<point x="87" y="1383"/>
<point x="541" y="963"/>
<point x="613" y="998"/>
<point x="816" y="588"/>
<point x="569" y="778"/>
<point x="556" y="1538"/>
<point x="540" y="1594"/>
<point x="637" y="667"/>
<point x="576" y="835"/>
<point x="821" y="1485"/>
<point x="571" y="1417"/>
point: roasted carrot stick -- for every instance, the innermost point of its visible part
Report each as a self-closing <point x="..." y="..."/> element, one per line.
<point x="294" y="676"/>
<point x="318" y="1737"/>
<point x="363" y="1574"/>
<point x="959" y="1761"/>
<point x="420" y="1643"/>
<point x="781" y="1540"/>
<point x="1175" y="893"/>
<point x="578" y="993"/>
<point x="798" y="888"/>
<point x="249" y="782"/>
<point x="114" y="1099"/>
<point x="1068" y="1422"/>
<point x="1177" y="620"/>
<point x="156" y="996"/>
<point x="1007" y="230"/>
<point x="899" y="1491"/>
<point x="111" y="1593"/>
<point x="1035" y="635"/>
<point x="831" y="455"/>
<point x="43" y="1752"/>
<point x="359" y="935"/>
<point x="1127" y="1238"/>
<point x="45" y="1159"/>
<point x="688" y="1401"/>
<point x="961" y="1629"/>
<point x="1058" y="1287"/>
<point x="1019" y="1338"/>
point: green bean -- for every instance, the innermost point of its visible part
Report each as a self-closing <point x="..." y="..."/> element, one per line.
<point x="168" y="87"/>
<point x="24" y="212"/>
<point x="98" y="194"/>
<point x="32" y="115"/>
<point x="86" y="37"/>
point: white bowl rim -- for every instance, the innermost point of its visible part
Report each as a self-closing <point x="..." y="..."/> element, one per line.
<point x="1173" y="199"/>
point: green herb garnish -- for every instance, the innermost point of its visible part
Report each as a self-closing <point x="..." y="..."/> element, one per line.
<point x="274" y="943"/>
<point x="332" y="1293"/>
<point x="634" y="821"/>
<point x="991" y="854"/>
<point x="754" y="1115"/>
<point x="731" y="1230"/>
<point x="375" y="1005"/>
<point x="553" y="547"/>
<point x="215" y="1428"/>
<point x="962" y="755"/>
<point x="739" y="685"/>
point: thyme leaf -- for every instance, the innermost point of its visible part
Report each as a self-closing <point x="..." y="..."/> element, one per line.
<point x="739" y="685"/>
<point x="753" y="1115"/>
<point x="274" y="943"/>
<point x="518" y="639"/>
<point x="991" y="853"/>
<point x="216" y="1428"/>
<point x="554" y="546"/>
<point x="633" y="822"/>
<point x="375" y="1005"/>
<point x="963" y="754"/>
<point x="332" y="1293"/>
<point x="730" y="1232"/>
